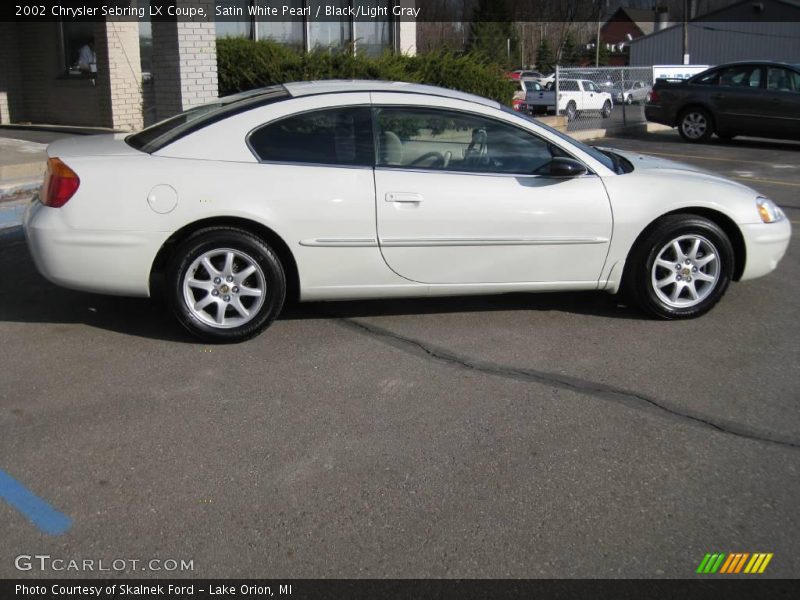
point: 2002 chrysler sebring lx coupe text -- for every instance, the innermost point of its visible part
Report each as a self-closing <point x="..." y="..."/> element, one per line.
<point x="344" y="190"/>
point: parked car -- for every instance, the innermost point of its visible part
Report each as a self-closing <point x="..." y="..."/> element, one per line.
<point x="524" y="88"/>
<point x="575" y="96"/>
<point x="632" y="92"/>
<point x="756" y="98"/>
<point x="524" y="74"/>
<point x="346" y="190"/>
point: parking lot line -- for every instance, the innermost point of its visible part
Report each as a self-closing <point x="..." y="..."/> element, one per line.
<point x="39" y="512"/>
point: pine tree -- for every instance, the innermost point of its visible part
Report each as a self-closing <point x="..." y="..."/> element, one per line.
<point x="544" y="57"/>
<point x="490" y="30"/>
<point x="570" y="56"/>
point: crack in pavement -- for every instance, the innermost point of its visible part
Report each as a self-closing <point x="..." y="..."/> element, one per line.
<point x="590" y="388"/>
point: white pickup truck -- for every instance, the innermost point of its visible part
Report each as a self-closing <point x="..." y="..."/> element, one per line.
<point x="574" y="97"/>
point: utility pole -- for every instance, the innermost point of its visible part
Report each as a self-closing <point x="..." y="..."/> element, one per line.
<point x="686" y="5"/>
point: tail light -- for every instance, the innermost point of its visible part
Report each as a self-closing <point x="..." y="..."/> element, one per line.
<point x="654" y="96"/>
<point x="60" y="184"/>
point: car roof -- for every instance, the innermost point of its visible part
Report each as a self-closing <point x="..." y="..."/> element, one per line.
<point x="755" y="62"/>
<point x="341" y="86"/>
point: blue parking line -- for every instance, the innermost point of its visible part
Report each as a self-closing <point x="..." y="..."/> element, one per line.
<point x="39" y="512"/>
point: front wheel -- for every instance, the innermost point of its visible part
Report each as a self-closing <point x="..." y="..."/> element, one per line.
<point x="681" y="268"/>
<point x="572" y="111"/>
<point x="225" y="284"/>
<point x="606" y="112"/>
<point x="628" y="99"/>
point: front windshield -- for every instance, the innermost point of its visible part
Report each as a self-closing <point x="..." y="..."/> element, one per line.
<point x="596" y="154"/>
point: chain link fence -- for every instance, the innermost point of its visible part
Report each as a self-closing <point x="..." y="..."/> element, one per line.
<point x="602" y="97"/>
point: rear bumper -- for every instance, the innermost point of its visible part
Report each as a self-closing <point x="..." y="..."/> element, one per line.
<point x="655" y="113"/>
<point x="765" y="244"/>
<point x="105" y="262"/>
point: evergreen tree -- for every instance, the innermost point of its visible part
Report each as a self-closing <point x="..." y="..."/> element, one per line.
<point x="604" y="55"/>
<point x="490" y="30"/>
<point x="544" y="57"/>
<point x="570" y="56"/>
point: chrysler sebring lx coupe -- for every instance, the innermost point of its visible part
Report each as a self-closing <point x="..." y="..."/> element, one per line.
<point x="346" y="190"/>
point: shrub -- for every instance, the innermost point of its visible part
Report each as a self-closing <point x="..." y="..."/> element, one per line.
<point x="246" y="64"/>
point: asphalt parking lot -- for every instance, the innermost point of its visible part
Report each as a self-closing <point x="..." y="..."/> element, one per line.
<point x="558" y="435"/>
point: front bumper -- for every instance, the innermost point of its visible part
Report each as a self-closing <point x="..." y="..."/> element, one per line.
<point x="765" y="245"/>
<point x="105" y="262"/>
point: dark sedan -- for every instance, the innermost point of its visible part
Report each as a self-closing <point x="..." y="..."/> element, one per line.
<point x="759" y="99"/>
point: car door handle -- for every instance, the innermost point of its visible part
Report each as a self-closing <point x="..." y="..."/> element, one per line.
<point x="403" y="197"/>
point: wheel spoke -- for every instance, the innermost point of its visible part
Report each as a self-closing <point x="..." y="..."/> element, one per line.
<point x="692" y="291"/>
<point x="676" y="291"/>
<point x="702" y="262"/>
<point x="201" y="284"/>
<point x="250" y="292"/>
<point x="666" y="264"/>
<point x="704" y="277"/>
<point x="237" y="305"/>
<point x="220" y="318"/>
<point x="228" y="268"/>
<point x="245" y="273"/>
<point x="202" y="304"/>
<point x="666" y="281"/>
<point x="210" y="269"/>
<point x="676" y="246"/>
<point x="695" y="247"/>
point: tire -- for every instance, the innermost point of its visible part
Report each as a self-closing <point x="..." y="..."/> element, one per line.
<point x="572" y="110"/>
<point x="695" y="125"/>
<point x="661" y="282"/>
<point x="606" y="111"/>
<point x="206" y="285"/>
<point x="628" y="99"/>
<point x="647" y="98"/>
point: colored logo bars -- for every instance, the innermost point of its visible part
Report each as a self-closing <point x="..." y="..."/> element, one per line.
<point x="734" y="563"/>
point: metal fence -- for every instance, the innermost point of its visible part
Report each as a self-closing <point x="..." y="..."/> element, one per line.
<point x="602" y="97"/>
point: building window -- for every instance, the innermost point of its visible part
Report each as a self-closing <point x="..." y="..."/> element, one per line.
<point x="370" y="37"/>
<point x="78" y="48"/>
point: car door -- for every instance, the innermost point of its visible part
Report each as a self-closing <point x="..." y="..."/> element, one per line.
<point x="783" y="99"/>
<point x="458" y="201"/>
<point x="740" y="101"/>
<point x="592" y="97"/>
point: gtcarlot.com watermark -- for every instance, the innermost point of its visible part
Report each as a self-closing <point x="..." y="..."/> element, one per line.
<point x="45" y="562"/>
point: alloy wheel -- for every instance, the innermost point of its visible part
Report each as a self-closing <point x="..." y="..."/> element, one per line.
<point x="686" y="271"/>
<point x="694" y="125"/>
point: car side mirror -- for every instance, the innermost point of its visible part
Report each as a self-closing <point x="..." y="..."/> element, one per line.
<point x="561" y="166"/>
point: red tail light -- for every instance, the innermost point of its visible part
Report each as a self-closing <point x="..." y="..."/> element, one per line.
<point x="60" y="184"/>
<point x="654" y="96"/>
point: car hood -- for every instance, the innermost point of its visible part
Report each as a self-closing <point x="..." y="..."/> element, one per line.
<point x="646" y="163"/>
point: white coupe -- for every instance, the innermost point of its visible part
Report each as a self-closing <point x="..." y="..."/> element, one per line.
<point x="344" y="190"/>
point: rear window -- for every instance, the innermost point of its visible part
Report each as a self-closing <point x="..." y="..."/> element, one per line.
<point x="163" y="133"/>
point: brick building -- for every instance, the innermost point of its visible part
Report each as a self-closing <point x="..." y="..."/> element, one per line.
<point x="143" y="71"/>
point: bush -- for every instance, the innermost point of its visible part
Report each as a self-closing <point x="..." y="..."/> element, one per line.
<point x="245" y="64"/>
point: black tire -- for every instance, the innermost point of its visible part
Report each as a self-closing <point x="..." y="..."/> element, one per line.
<point x="696" y="125"/>
<point x="628" y="99"/>
<point x="606" y="111"/>
<point x="571" y="111"/>
<point x="249" y="252"/>
<point x="642" y="276"/>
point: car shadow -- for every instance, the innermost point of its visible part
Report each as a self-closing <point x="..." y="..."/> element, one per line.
<point x="26" y="297"/>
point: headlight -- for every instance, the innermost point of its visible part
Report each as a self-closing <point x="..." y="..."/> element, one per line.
<point x="768" y="210"/>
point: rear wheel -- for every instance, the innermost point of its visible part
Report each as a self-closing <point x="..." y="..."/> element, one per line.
<point x="695" y="125"/>
<point x="225" y="284"/>
<point x="681" y="268"/>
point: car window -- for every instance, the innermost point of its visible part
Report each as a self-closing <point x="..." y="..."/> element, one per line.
<point x="707" y="78"/>
<point x="334" y="136"/>
<point x="443" y="140"/>
<point x="783" y="80"/>
<point x="568" y="86"/>
<point x="590" y="86"/>
<point x="741" y="76"/>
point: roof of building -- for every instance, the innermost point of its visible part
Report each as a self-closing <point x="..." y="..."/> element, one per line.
<point x="711" y="16"/>
<point x="642" y="17"/>
<point x="339" y="86"/>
